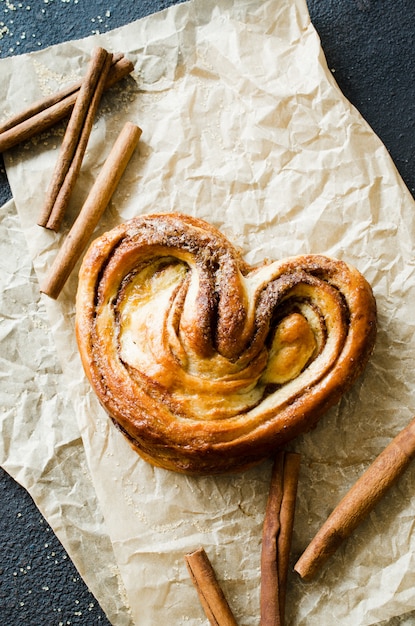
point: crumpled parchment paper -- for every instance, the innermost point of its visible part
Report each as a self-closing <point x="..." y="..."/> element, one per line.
<point x="40" y="443"/>
<point x="243" y="125"/>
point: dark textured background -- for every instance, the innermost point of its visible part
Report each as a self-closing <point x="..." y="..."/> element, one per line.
<point x="370" y="47"/>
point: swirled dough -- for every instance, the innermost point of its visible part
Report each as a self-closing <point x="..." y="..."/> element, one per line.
<point x="208" y="365"/>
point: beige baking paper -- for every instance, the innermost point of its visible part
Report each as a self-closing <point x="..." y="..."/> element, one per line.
<point x="40" y="444"/>
<point x="243" y="125"/>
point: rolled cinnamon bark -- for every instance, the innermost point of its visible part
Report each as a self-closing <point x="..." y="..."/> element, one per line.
<point x="47" y="112"/>
<point x="210" y="593"/>
<point x="358" y="502"/>
<point x="92" y="210"/>
<point x="74" y="131"/>
<point x="276" y="537"/>
<point x="70" y="169"/>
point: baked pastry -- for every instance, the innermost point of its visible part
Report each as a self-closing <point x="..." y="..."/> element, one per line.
<point x="206" y="364"/>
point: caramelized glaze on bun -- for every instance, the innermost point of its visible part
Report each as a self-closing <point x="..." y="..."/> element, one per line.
<point x="208" y="365"/>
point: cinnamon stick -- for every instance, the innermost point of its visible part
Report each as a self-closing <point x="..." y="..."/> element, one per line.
<point x="39" y="106"/>
<point x="210" y="593"/>
<point x="73" y="131"/>
<point x="64" y="192"/>
<point x="43" y="114"/>
<point x="48" y="101"/>
<point x="358" y="502"/>
<point x="90" y="214"/>
<point x="277" y="536"/>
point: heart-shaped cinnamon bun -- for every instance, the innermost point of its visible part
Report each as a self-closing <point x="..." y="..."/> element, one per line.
<point x="208" y="365"/>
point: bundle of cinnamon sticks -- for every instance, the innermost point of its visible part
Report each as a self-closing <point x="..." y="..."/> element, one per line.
<point x="47" y="112"/>
<point x="363" y="496"/>
<point x="276" y="545"/>
<point x="81" y="102"/>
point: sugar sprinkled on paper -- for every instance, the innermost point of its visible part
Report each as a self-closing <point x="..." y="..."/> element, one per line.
<point x="19" y="24"/>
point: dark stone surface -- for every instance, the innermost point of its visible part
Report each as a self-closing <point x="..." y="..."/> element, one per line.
<point x="370" y="47"/>
<point x="39" y="585"/>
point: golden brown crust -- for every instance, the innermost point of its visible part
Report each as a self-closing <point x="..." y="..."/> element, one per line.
<point x="208" y="365"/>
